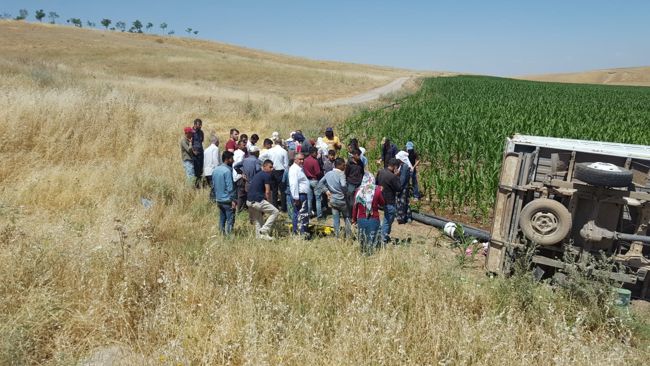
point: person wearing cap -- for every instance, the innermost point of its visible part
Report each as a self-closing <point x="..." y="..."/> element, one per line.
<point x="333" y="142"/>
<point x="211" y="160"/>
<point x="247" y="168"/>
<point x="187" y="155"/>
<point x="415" y="161"/>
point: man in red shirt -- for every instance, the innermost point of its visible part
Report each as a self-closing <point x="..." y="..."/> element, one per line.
<point x="231" y="145"/>
<point x="313" y="172"/>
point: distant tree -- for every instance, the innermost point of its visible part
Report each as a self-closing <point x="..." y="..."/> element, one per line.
<point x="163" y="26"/>
<point x="91" y="24"/>
<point x="76" y="22"/>
<point x="5" y="16"/>
<point x="22" y="14"/>
<point x="195" y="32"/>
<point x="120" y="25"/>
<point x="171" y="32"/>
<point x="52" y="15"/>
<point x="137" y="27"/>
<point x="106" y="22"/>
<point x="112" y="28"/>
<point x="40" y="14"/>
<point x="189" y="31"/>
<point x="149" y="26"/>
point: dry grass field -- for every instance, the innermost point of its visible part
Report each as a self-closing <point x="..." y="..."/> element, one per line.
<point x="635" y="76"/>
<point x="90" y="123"/>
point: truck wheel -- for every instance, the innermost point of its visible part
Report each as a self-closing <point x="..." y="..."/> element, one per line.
<point x="603" y="174"/>
<point x="545" y="221"/>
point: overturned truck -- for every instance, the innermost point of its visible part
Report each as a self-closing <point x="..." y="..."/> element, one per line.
<point x="586" y="199"/>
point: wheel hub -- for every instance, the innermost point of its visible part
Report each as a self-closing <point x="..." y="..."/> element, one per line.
<point x="544" y="223"/>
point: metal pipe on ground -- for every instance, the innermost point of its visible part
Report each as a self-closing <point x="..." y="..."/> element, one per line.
<point x="440" y="223"/>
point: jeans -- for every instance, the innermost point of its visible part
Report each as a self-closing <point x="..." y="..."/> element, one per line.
<point x="240" y="187"/>
<point x="188" y="165"/>
<point x="340" y="209"/>
<point x="414" y="184"/>
<point x="226" y="217"/>
<point x="317" y="195"/>
<point x="390" y="211"/>
<point x="300" y="215"/>
<point x="368" y="229"/>
<point x="256" y="210"/>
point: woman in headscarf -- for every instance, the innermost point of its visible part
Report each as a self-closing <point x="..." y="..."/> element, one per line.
<point x="402" y="199"/>
<point x="365" y="213"/>
<point x="415" y="161"/>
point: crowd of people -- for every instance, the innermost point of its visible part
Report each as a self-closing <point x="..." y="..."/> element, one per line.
<point x="303" y="177"/>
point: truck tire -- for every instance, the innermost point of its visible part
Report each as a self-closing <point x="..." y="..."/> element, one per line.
<point x="545" y="221"/>
<point x="603" y="174"/>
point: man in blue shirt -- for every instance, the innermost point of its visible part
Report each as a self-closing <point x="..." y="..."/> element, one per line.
<point x="224" y="192"/>
<point x="259" y="196"/>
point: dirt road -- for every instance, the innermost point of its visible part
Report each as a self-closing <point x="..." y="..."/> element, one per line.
<point x="373" y="94"/>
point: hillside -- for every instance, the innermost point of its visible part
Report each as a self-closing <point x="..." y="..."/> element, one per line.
<point x="636" y="76"/>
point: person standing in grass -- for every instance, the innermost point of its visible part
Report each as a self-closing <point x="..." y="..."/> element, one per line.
<point x="231" y="145"/>
<point x="415" y="161"/>
<point x="354" y="170"/>
<point x="187" y="155"/>
<point x="365" y="213"/>
<point x="403" y="204"/>
<point x="333" y="142"/>
<point x="335" y="186"/>
<point x="259" y="197"/>
<point x="328" y="161"/>
<point x="278" y="155"/>
<point x="248" y="168"/>
<point x="299" y="186"/>
<point x="313" y="173"/>
<point x="211" y="160"/>
<point x="388" y="151"/>
<point x="197" y="149"/>
<point x="224" y="193"/>
<point x="238" y="157"/>
<point x="252" y="142"/>
<point x="388" y="179"/>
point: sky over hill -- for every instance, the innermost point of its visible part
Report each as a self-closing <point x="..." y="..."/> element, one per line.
<point x="497" y="37"/>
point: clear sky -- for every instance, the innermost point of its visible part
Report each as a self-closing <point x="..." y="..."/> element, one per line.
<point x="481" y="36"/>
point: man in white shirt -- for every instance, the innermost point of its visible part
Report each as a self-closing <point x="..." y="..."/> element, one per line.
<point x="299" y="187"/>
<point x="211" y="160"/>
<point x="240" y="187"/>
<point x="278" y="155"/>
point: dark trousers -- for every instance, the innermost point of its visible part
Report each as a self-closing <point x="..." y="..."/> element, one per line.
<point x="241" y="194"/>
<point x="197" y="160"/>
<point x="208" y="178"/>
<point x="350" y="196"/>
<point x="278" y="197"/>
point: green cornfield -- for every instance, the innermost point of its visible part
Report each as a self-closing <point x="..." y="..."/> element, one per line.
<point x="459" y="126"/>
